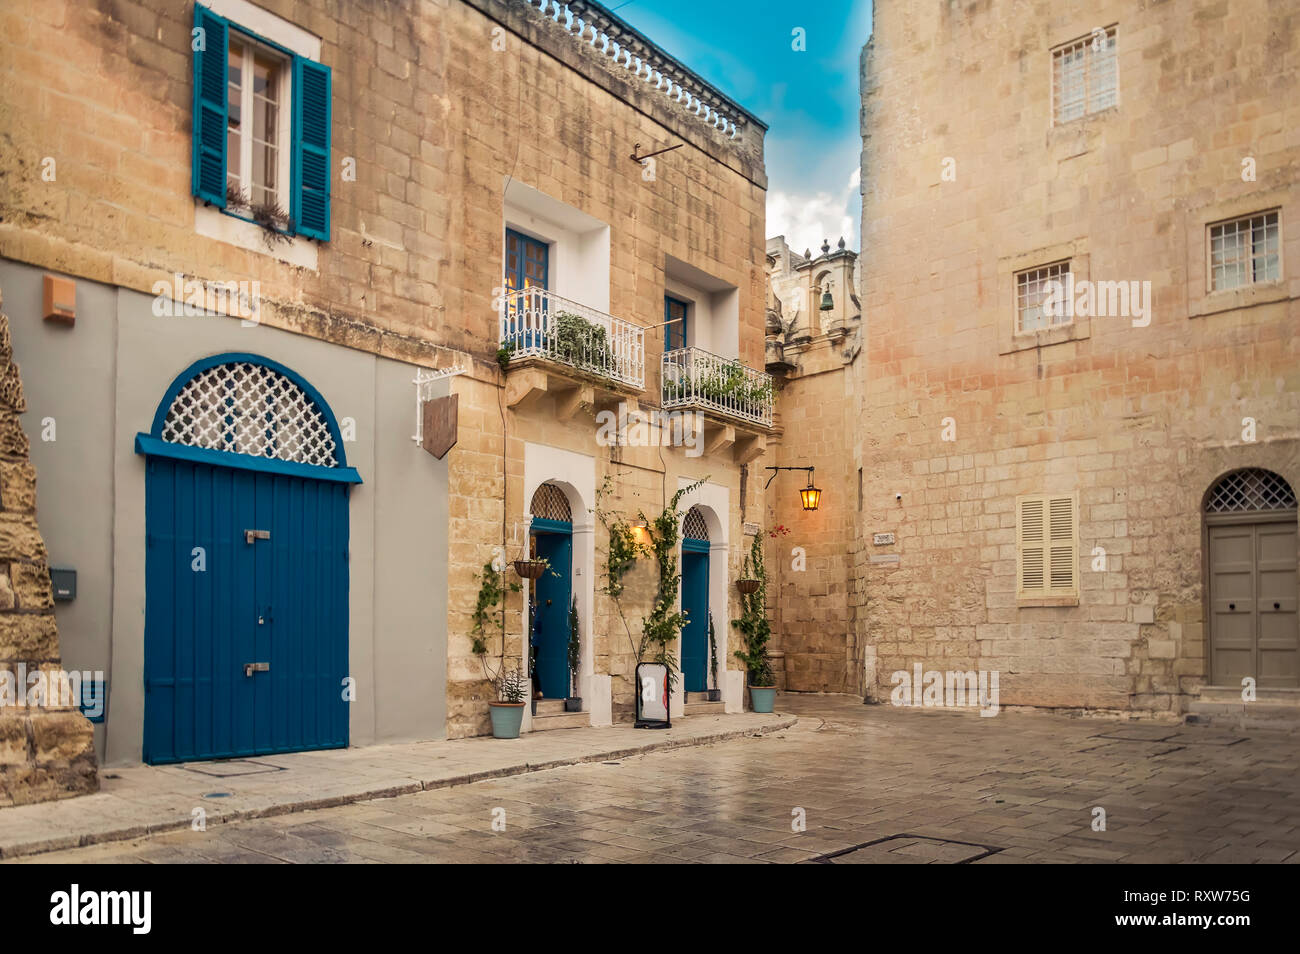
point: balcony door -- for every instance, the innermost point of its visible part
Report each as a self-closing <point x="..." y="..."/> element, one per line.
<point x="527" y="266"/>
<point x="675" y="323"/>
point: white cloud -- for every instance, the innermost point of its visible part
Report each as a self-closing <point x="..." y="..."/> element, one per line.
<point x="808" y="218"/>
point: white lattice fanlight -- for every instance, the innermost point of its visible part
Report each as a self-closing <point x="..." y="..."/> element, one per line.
<point x="1250" y="490"/>
<point x="694" y="527"/>
<point x="247" y="408"/>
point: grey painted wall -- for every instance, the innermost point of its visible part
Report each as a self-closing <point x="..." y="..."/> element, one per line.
<point x="102" y="380"/>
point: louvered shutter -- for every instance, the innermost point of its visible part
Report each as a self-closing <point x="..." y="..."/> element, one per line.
<point x="208" y="179"/>
<point x="311" y="149"/>
<point x="1062" y="555"/>
<point x="1030" y="526"/>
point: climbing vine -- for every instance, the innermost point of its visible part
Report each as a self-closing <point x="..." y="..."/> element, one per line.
<point x="753" y="623"/>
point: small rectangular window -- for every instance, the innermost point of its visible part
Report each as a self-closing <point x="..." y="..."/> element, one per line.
<point x="1032" y="289"/>
<point x="1047" y="546"/>
<point x="675" y="323"/>
<point x="257" y="167"/>
<point x="1244" y="251"/>
<point x="1085" y="75"/>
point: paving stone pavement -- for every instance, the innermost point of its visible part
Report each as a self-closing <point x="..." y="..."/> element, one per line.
<point x="877" y="785"/>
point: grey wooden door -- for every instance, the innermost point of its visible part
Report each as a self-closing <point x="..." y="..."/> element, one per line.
<point x="1253" y="624"/>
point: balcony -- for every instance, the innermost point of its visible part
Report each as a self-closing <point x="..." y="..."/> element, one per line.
<point x="539" y="325"/>
<point x="693" y="378"/>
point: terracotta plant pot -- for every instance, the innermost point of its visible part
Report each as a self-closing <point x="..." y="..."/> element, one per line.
<point x="747" y="586"/>
<point x="507" y="718"/>
<point x="530" y="569"/>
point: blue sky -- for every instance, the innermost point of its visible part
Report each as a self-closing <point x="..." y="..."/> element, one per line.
<point x="809" y="99"/>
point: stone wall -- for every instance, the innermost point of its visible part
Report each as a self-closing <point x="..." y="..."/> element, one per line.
<point x="46" y="751"/>
<point x="1138" y="421"/>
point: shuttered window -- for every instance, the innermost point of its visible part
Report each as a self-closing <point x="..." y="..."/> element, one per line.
<point x="235" y="156"/>
<point x="1047" y="546"/>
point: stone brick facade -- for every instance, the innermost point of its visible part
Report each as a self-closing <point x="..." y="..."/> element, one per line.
<point x="46" y="750"/>
<point x="440" y="107"/>
<point x="811" y="350"/>
<point x="966" y="181"/>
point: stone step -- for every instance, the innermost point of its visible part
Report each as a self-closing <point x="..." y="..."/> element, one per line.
<point x="703" y="708"/>
<point x="1232" y="696"/>
<point x="550" y="706"/>
<point x="561" y="720"/>
<point x="696" y="697"/>
<point x="1239" y="715"/>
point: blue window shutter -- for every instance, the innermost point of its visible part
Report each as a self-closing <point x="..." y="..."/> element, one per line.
<point x="311" y="149"/>
<point x="210" y="63"/>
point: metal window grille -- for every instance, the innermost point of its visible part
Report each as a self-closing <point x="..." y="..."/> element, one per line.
<point x="1031" y="292"/>
<point x="1251" y="490"/>
<point x="694" y="526"/>
<point x="1244" y="251"/>
<point x="251" y="409"/>
<point x="550" y="503"/>
<point x="1084" y="75"/>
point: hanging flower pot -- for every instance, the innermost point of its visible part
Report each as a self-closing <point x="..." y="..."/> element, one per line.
<point x="530" y="569"/>
<point x="747" y="586"/>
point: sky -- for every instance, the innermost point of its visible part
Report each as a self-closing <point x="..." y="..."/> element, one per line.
<point x="809" y="98"/>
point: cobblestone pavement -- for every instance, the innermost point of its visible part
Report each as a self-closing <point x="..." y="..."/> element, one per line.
<point x="911" y="786"/>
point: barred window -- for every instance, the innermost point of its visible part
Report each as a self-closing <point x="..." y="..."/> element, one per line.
<point x="1244" y="251"/>
<point x="1032" y="288"/>
<point x="1085" y="75"/>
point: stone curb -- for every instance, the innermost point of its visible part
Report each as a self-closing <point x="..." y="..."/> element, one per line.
<point x="138" y="830"/>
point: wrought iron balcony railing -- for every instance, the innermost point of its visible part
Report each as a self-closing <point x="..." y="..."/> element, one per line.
<point x="696" y="378"/>
<point x="536" y="323"/>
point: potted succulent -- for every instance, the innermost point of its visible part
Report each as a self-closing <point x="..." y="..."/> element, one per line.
<point x="715" y="694"/>
<point x="508" y="711"/>
<point x="509" y="682"/>
<point x="574" y="702"/>
<point x="755" y="630"/>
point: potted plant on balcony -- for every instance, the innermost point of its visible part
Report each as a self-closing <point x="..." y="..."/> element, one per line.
<point x="574" y="702"/>
<point x="509" y="682"/>
<point x="581" y="343"/>
<point x="755" y="630"/>
<point x="715" y="694"/>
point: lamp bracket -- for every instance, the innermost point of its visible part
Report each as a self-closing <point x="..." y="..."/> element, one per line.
<point x="776" y="470"/>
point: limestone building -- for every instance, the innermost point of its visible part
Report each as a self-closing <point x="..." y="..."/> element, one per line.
<point x="233" y="236"/>
<point x="1079" y="409"/>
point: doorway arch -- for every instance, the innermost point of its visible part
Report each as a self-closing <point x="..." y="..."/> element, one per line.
<point x="695" y="601"/>
<point x="550" y="538"/>
<point x="1251" y="593"/>
<point x="246" y="574"/>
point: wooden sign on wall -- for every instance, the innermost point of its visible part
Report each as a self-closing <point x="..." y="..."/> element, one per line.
<point x="440" y="423"/>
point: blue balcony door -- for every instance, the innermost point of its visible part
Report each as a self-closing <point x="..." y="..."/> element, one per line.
<point x="553" y="541"/>
<point x="675" y="323"/>
<point x="527" y="266"/>
<point x="695" y="604"/>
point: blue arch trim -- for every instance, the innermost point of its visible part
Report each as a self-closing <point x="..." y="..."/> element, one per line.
<point x="695" y="546"/>
<point x="153" y="444"/>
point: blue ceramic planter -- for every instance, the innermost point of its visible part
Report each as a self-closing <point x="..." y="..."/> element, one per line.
<point x="762" y="699"/>
<point x="507" y="717"/>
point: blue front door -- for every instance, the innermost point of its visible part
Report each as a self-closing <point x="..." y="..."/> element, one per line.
<point x="695" y="604"/>
<point x="246" y="647"/>
<point x="554" y="590"/>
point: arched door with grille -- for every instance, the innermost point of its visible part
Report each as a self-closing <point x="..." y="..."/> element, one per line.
<point x="551" y="533"/>
<point x="1250" y="518"/>
<point x="246" y="573"/>
<point x="695" y="601"/>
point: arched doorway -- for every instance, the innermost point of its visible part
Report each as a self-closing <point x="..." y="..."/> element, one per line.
<point x="1251" y="620"/>
<point x="550" y="537"/>
<point x="246" y="565"/>
<point x="695" y="601"/>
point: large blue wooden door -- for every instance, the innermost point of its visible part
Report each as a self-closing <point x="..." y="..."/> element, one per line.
<point x="554" y="590"/>
<point x="695" y="604"/>
<point x="246" y="566"/>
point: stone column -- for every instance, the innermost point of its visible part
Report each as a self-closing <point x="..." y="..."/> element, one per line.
<point x="47" y="749"/>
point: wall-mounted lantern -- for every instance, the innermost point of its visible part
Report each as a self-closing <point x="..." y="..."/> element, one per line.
<point x="811" y="496"/>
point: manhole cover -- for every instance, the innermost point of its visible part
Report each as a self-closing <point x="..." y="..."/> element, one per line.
<point x="909" y="849"/>
<point x="232" y="767"/>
